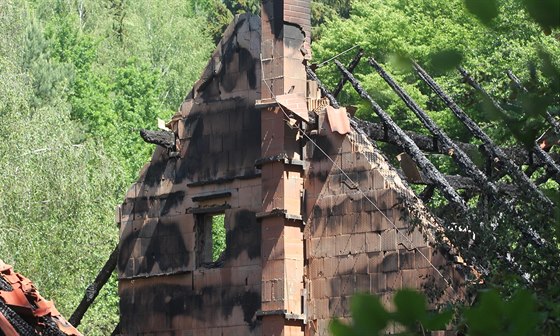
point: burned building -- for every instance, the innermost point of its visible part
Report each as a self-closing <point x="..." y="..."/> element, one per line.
<point x="312" y="210"/>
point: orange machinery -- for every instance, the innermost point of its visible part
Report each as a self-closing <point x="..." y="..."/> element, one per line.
<point x="23" y="311"/>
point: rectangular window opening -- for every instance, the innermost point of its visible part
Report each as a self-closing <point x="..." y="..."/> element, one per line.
<point x="211" y="240"/>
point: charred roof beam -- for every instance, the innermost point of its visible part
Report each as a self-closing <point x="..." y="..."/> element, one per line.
<point x="512" y="169"/>
<point x="378" y="132"/>
<point x="404" y="142"/>
<point x="408" y="145"/>
<point x="553" y="122"/>
<point x="353" y="64"/>
<point x="313" y="76"/>
<point x="92" y="291"/>
<point x="462" y="182"/>
<point x="458" y="155"/>
<point x="430" y="171"/>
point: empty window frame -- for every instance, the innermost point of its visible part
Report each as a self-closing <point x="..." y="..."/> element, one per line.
<point x="210" y="239"/>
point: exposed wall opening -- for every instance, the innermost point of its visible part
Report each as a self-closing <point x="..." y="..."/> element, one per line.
<point x="211" y="239"/>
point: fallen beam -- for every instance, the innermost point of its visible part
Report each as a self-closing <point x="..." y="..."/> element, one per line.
<point x="94" y="288"/>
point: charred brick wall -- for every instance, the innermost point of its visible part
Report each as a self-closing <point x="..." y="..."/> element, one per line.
<point x="301" y="236"/>
<point x="354" y="245"/>
<point x="164" y="286"/>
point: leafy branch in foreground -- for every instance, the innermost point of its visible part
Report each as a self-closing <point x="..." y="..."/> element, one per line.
<point x="490" y="316"/>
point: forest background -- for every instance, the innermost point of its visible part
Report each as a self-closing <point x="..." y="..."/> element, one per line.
<point x="78" y="78"/>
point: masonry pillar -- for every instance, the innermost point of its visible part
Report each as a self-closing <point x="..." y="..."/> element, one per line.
<point x="285" y="45"/>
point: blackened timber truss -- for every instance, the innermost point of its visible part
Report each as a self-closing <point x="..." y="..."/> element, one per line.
<point x="504" y="161"/>
<point x="550" y="164"/>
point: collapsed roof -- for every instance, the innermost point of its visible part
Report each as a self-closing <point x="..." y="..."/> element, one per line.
<point x="518" y="199"/>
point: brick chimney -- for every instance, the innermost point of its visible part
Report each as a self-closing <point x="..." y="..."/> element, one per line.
<point x="285" y="40"/>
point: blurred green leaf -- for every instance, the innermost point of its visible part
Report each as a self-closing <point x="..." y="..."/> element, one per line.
<point x="411" y="307"/>
<point x="369" y="314"/>
<point x="491" y="113"/>
<point x="337" y="328"/>
<point x="486" y="317"/>
<point x="522" y="317"/>
<point x="445" y="60"/>
<point x="401" y="62"/>
<point x="545" y="12"/>
<point x="437" y="321"/>
<point x="484" y="10"/>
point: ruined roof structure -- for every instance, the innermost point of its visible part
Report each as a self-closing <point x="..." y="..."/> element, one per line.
<point x="313" y="211"/>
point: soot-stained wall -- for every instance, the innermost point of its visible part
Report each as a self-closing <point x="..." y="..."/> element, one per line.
<point x="357" y="233"/>
<point x="354" y="245"/>
<point x="162" y="290"/>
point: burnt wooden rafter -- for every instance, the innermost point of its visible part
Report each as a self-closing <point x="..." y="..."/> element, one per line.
<point x="378" y="132"/>
<point x="463" y="182"/>
<point x="95" y="287"/>
<point x="313" y="76"/>
<point x="490" y="147"/>
<point x="551" y="166"/>
<point x="428" y="169"/>
<point x="432" y="144"/>
<point x="399" y="137"/>
<point x="458" y="155"/>
<point x="511" y="168"/>
<point x="353" y="64"/>
<point x="553" y="122"/>
<point x="555" y="127"/>
<point x="409" y="146"/>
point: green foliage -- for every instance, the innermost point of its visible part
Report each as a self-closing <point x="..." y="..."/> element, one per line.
<point x="168" y="37"/>
<point x="48" y="76"/>
<point x="122" y="83"/>
<point x="58" y="196"/>
<point x="220" y="13"/>
<point x="494" y="316"/>
<point x="218" y="236"/>
<point x="545" y="13"/>
<point x="323" y="11"/>
<point x="491" y="316"/>
<point x="218" y="17"/>
<point x="241" y="6"/>
<point x="77" y="80"/>
<point x="370" y="317"/>
<point x="438" y="35"/>
<point x="483" y="9"/>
